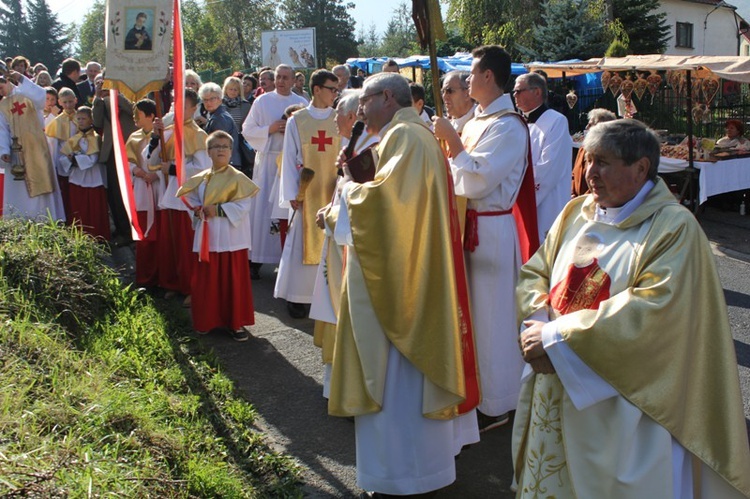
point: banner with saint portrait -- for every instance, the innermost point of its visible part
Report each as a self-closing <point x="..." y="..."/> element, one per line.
<point x="138" y="43"/>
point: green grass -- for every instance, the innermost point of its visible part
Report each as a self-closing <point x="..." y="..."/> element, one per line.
<point x="104" y="394"/>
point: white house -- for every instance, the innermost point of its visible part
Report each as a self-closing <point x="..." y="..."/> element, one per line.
<point x="704" y="27"/>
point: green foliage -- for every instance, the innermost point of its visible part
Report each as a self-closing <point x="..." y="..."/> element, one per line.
<point x="570" y="29"/>
<point x="334" y="26"/>
<point x="504" y="22"/>
<point x="14" y="29"/>
<point x="453" y="43"/>
<point x="128" y="406"/>
<point x="616" y="49"/>
<point x="203" y="38"/>
<point x="240" y="23"/>
<point x="91" y="34"/>
<point x="368" y="42"/>
<point x="400" y="37"/>
<point x="647" y="28"/>
<point x="48" y="40"/>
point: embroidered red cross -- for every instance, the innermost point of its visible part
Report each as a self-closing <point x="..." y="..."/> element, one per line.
<point x="321" y="140"/>
<point x="18" y="108"/>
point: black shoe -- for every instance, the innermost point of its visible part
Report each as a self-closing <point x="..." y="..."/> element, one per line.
<point x="255" y="271"/>
<point x="487" y="423"/>
<point x="296" y="310"/>
<point x="239" y="335"/>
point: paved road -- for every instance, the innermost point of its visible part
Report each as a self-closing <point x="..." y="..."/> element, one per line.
<point x="280" y="372"/>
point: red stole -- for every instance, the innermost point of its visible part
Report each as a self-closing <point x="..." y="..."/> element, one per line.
<point x="582" y="288"/>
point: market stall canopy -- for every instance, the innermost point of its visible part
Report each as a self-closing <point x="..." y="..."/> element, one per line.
<point x="733" y="68"/>
<point x="459" y="61"/>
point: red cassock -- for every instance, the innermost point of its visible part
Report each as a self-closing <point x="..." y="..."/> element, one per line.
<point x="226" y="297"/>
<point x="582" y="288"/>
<point x="147" y="252"/>
<point x="176" y="258"/>
<point x="89" y="209"/>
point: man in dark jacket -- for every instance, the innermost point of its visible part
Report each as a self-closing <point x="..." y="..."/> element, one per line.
<point x="70" y="73"/>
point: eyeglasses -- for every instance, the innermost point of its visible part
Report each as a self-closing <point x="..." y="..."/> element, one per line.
<point x="335" y="90"/>
<point x="213" y="97"/>
<point x="520" y="90"/>
<point x="220" y="147"/>
<point x="363" y="100"/>
<point x="451" y="90"/>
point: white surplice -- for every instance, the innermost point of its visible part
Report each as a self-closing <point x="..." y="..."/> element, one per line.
<point x="266" y="109"/>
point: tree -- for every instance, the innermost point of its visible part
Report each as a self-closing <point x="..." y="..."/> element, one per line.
<point x="47" y="36"/>
<point x="504" y="22"/>
<point x="400" y="38"/>
<point x="334" y="26"/>
<point x="571" y="29"/>
<point x="14" y="30"/>
<point x="204" y="43"/>
<point x="246" y="20"/>
<point x="368" y="42"/>
<point x="646" y="27"/>
<point x="91" y="45"/>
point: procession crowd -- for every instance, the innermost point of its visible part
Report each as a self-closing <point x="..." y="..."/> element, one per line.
<point x="461" y="271"/>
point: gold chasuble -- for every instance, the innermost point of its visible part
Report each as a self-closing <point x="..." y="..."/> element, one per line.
<point x="193" y="137"/>
<point x="59" y="128"/>
<point x="320" y="147"/>
<point x="645" y="311"/>
<point x="22" y="116"/>
<point x="135" y="145"/>
<point x="400" y="225"/>
<point x="223" y="185"/>
<point x="73" y="144"/>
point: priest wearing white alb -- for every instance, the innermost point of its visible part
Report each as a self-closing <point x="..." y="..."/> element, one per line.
<point x="551" y="149"/>
<point x="264" y="130"/>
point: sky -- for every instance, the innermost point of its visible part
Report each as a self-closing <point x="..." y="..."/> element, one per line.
<point x="366" y="12"/>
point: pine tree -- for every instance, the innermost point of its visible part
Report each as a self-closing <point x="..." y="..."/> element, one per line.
<point x="14" y="30"/>
<point x="400" y="38"/>
<point x="48" y="41"/>
<point x="91" y="45"/>
<point x="645" y="26"/>
<point x="334" y="26"/>
<point x="570" y="29"/>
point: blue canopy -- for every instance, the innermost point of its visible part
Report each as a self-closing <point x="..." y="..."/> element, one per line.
<point x="459" y="61"/>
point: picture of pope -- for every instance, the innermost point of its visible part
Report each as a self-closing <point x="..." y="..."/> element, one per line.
<point x="138" y="37"/>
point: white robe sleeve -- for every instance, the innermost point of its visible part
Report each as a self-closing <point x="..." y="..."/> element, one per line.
<point x="237" y="211"/>
<point x="254" y="132"/>
<point x="493" y="159"/>
<point x="557" y="150"/>
<point x="65" y="164"/>
<point x="4" y="136"/>
<point x="291" y="157"/>
<point x="584" y="387"/>
<point x="343" y="232"/>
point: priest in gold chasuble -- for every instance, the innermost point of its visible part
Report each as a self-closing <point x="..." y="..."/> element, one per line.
<point x="631" y="388"/>
<point x="397" y="363"/>
<point x="310" y="143"/>
<point x="38" y="195"/>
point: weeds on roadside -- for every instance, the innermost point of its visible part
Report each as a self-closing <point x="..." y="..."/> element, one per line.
<point x="104" y="394"/>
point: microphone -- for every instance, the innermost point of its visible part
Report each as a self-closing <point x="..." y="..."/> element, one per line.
<point x="359" y="127"/>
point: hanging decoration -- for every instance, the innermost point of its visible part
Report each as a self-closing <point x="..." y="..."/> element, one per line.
<point x="614" y="84"/>
<point x="627" y="88"/>
<point x="710" y="87"/>
<point x="606" y="75"/>
<point x="571" y="98"/>
<point x="639" y="86"/>
<point x="654" y="82"/>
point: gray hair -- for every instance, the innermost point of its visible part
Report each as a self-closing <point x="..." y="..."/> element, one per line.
<point x="284" y="66"/>
<point x="535" y="80"/>
<point x="348" y="101"/>
<point x="209" y="88"/>
<point x="628" y="140"/>
<point x="189" y="73"/>
<point x="342" y="67"/>
<point x="462" y="76"/>
<point x="600" y="115"/>
<point x="267" y="72"/>
<point x="397" y="84"/>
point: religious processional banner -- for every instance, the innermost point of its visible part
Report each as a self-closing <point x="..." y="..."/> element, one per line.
<point x="294" y="47"/>
<point x="138" y="39"/>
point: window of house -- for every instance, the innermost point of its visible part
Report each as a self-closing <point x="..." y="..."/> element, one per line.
<point x="684" y="36"/>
